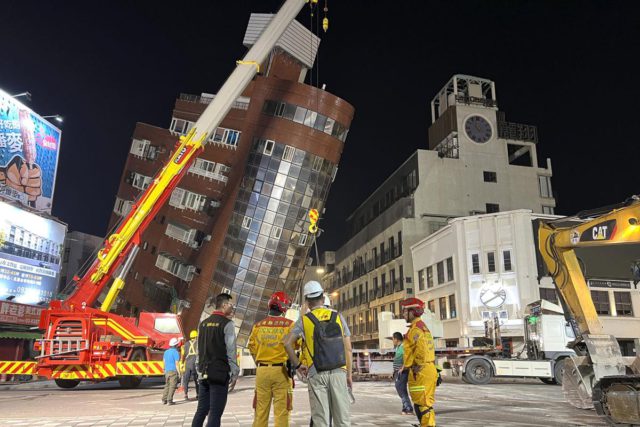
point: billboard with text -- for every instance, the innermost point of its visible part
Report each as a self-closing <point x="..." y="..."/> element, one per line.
<point x="30" y="252"/>
<point x="29" y="150"/>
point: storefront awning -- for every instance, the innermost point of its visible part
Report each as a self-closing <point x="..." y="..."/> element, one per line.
<point x="20" y="335"/>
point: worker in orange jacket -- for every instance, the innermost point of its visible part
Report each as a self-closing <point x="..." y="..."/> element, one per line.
<point x="272" y="376"/>
<point x="419" y="361"/>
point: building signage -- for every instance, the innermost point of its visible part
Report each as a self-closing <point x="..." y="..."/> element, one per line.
<point x="30" y="248"/>
<point x="29" y="149"/>
<point x="617" y="284"/>
<point x="19" y="314"/>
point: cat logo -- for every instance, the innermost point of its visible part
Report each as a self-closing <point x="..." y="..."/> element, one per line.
<point x="599" y="232"/>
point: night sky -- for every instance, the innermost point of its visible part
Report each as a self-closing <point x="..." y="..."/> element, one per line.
<point x="569" y="67"/>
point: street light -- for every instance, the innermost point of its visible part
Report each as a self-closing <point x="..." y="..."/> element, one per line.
<point x="25" y="94"/>
<point x="57" y="117"/>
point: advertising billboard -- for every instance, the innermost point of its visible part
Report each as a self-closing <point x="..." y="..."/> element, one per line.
<point x="30" y="252"/>
<point x="29" y="149"/>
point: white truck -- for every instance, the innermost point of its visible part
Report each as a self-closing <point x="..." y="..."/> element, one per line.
<point x="546" y="336"/>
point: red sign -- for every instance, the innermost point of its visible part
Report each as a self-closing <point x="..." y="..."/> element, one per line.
<point x="19" y="314"/>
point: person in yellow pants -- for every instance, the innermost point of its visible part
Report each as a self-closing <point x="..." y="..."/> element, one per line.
<point x="419" y="360"/>
<point x="272" y="378"/>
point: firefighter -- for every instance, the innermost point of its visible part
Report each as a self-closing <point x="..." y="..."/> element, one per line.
<point x="188" y="362"/>
<point x="419" y="361"/>
<point x="272" y="376"/>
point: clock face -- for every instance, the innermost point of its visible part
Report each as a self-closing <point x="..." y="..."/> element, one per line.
<point x="478" y="129"/>
<point x="493" y="297"/>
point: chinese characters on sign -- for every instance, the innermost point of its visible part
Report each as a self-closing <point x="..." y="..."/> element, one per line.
<point x="19" y="314"/>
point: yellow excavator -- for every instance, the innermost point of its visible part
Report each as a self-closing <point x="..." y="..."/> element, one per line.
<point x="598" y="376"/>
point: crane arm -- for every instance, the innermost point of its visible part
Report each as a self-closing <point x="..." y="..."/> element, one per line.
<point x="118" y="246"/>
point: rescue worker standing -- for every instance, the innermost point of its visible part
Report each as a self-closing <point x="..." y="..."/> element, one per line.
<point x="419" y="361"/>
<point x="272" y="377"/>
<point x="188" y="359"/>
<point x="327" y="346"/>
<point x="217" y="362"/>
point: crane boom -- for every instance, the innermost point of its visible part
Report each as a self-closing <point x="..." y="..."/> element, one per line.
<point x="118" y="246"/>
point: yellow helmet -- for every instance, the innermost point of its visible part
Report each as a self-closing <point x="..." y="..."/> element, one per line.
<point x="193" y="334"/>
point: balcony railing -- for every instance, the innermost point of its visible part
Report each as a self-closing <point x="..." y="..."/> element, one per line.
<point x="472" y="100"/>
<point x="241" y="103"/>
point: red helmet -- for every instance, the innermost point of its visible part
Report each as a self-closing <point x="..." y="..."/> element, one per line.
<point x="415" y="304"/>
<point x="280" y="301"/>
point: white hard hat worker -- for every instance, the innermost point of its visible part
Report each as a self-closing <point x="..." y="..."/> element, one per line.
<point x="173" y="342"/>
<point x="312" y="289"/>
<point x="327" y="301"/>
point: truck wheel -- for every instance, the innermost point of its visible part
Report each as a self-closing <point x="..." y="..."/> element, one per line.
<point x="478" y="372"/>
<point x="130" y="381"/>
<point x="550" y="381"/>
<point x="558" y="371"/>
<point x="66" y="383"/>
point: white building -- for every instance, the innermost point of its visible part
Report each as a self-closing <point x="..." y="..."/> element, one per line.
<point x="480" y="265"/>
<point x="476" y="163"/>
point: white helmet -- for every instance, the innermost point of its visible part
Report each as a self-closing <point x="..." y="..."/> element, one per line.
<point x="173" y="342"/>
<point x="327" y="301"/>
<point x="312" y="289"/>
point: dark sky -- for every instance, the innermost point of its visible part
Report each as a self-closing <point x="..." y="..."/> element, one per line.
<point x="569" y="67"/>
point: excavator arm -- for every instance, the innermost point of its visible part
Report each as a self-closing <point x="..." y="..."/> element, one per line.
<point x="597" y="376"/>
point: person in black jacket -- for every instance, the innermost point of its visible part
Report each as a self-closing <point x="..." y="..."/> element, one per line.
<point x="217" y="366"/>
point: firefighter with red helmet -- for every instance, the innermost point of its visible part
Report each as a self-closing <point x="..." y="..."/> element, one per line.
<point x="419" y="361"/>
<point x="272" y="378"/>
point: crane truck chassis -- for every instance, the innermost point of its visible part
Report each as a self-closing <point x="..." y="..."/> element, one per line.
<point x="83" y="343"/>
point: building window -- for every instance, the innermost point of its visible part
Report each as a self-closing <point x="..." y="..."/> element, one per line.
<point x="506" y="257"/>
<point x="317" y="163"/>
<point x="225" y="136"/>
<point x="545" y="186"/>
<point x="431" y="305"/>
<point x="623" y="303"/>
<point x="139" y="147"/>
<point x="276" y="232"/>
<point x="450" y="269"/>
<point x="141" y="182"/>
<point x="430" y="276"/>
<point x="549" y="294"/>
<point x="475" y="263"/>
<point x="492" y="207"/>
<point x="122" y="207"/>
<point x="181" y="126"/>
<point x="601" y="301"/>
<point x="442" y="302"/>
<point x="421" y="279"/>
<point x="268" y="147"/>
<point x="246" y="222"/>
<point x="491" y="262"/>
<point x="303" y="240"/>
<point x="440" y="271"/>
<point x="184" y="199"/>
<point x="549" y="210"/>
<point x="452" y="307"/>
<point x="490" y="176"/>
<point x="289" y="151"/>
<point x="209" y="169"/>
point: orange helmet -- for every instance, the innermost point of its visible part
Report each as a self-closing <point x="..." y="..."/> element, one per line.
<point x="415" y="304"/>
<point x="280" y="301"/>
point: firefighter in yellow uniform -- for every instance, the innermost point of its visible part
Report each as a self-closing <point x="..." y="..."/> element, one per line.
<point x="419" y="360"/>
<point x="272" y="378"/>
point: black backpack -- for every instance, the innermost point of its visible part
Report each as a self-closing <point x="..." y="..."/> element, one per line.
<point x="328" y="343"/>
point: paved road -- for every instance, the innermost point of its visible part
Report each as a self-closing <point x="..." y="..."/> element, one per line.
<point x="501" y="404"/>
